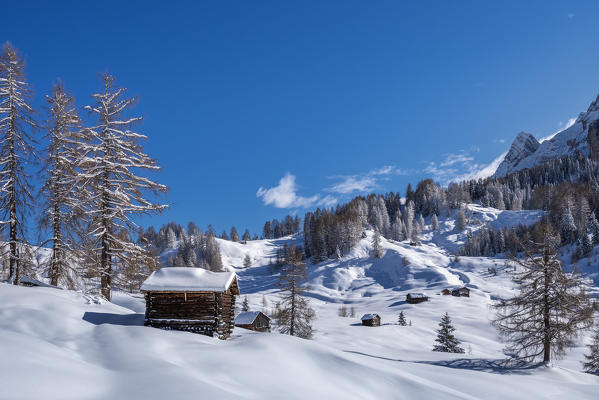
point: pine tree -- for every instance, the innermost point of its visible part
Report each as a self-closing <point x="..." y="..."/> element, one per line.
<point x="61" y="205"/>
<point x="295" y="315"/>
<point x="111" y="188"/>
<point x="551" y="308"/>
<point x="16" y="151"/>
<point x="245" y="305"/>
<point x="337" y="253"/>
<point x="446" y="341"/>
<point x="591" y="365"/>
<point x="402" y="319"/>
<point x="247" y="261"/>
<point x="377" y="250"/>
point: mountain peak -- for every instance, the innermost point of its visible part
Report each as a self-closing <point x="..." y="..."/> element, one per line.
<point x="523" y="146"/>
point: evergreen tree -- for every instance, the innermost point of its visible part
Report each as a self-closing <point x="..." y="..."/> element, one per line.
<point x="112" y="191"/>
<point x="551" y="308"/>
<point x="591" y="365"/>
<point x="295" y="316"/>
<point x="377" y="250"/>
<point x="61" y="205"/>
<point x="16" y="151"/>
<point x="402" y="319"/>
<point x="245" y="305"/>
<point x="446" y="341"/>
<point x="224" y="235"/>
<point x="247" y="261"/>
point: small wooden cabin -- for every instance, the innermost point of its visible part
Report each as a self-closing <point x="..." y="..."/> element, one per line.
<point x="253" y="320"/>
<point x="191" y="299"/>
<point x="371" y="320"/>
<point x="461" y="292"/>
<point x="415" y="298"/>
<point x="446" y="292"/>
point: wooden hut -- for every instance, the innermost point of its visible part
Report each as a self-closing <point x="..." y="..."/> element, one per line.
<point x="461" y="292"/>
<point x="415" y="298"/>
<point x="446" y="292"/>
<point x="254" y="321"/>
<point x="371" y="320"/>
<point x="191" y="299"/>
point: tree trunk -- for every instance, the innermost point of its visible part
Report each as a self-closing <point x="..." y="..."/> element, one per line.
<point x="546" y="320"/>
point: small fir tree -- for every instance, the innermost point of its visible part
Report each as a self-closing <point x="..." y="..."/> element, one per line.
<point x="446" y="341"/>
<point x="245" y="305"/>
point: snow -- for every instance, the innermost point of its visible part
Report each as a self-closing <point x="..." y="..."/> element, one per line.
<point x="246" y="318"/>
<point x="417" y="295"/>
<point x="61" y="344"/>
<point x="182" y="279"/>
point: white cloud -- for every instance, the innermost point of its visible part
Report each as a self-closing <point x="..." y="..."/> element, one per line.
<point x="456" y="158"/>
<point x="284" y="194"/>
<point x="570" y="15"/>
<point x="354" y="184"/>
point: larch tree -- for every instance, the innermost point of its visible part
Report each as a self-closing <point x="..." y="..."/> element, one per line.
<point x="247" y="261"/>
<point x="16" y="151"/>
<point x="61" y="203"/>
<point x="234" y="235"/>
<point x="551" y="308"/>
<point x="377" y="250"/>
<point x="114" y="187"/>
<point x="401" y="320"/>
<point x="295" y="315"/>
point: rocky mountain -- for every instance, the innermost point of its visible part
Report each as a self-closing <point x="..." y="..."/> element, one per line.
<point x="526" y="151"/>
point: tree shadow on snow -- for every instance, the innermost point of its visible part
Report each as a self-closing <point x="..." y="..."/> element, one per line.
<point x="98" y="318"/>
<point x="500" y="366"/>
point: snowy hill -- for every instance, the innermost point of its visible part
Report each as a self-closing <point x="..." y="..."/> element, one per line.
<point x="100" y="350"/>
<point x="527" y="152"/>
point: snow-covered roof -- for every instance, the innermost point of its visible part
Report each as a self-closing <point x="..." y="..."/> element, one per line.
<point x="366" y="317"/>
<point x="247" y="318"/>
<point x="417" y="295"/>
<point x="29" y="280"/>
<point x="184" y="279"/>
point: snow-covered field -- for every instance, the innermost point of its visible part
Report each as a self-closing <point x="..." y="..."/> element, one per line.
<point x="60" y="344"/>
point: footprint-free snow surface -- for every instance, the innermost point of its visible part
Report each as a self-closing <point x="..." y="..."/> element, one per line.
<point x="59" y="344"/>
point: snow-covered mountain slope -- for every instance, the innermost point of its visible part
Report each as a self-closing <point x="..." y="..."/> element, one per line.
<point x="527" y="152"/>
<point x="63" y="344"/>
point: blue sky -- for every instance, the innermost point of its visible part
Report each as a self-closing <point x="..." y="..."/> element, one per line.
<point x="263" y="108"/>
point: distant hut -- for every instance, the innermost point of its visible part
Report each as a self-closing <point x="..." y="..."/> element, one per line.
<point x="191" y="299"/>
<point x="254" y="321"/>
<point x="461" y="292"/>
<point x="415" y="298"/>
<point x="446" y="292"/>
<point x="371" y="320"/>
